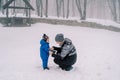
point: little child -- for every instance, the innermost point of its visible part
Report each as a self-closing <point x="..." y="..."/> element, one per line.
<point x="44" y="51"/>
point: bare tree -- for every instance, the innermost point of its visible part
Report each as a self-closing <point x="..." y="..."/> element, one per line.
<point x="68" y="4"/>
<point x="7" y="9"/>
<point x="26" y="10"/>
<point x="14" y="12"/>
<point x="57" y="8"/>
<point x="119" y="9"/>
<point x="46" y="10"/>
<point x="113" y="8"/>
<point x="0" y="5"/>
<point x="39" y="6"/>
<point x="60" y="7"/>
<point x="78" y="4"/>
<point x="73" y="8"/>
<point x="82" y="9"/>
<point x="63" y="8"/>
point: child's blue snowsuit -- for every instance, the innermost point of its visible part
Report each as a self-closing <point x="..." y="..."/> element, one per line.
<point x="44" y="53"/>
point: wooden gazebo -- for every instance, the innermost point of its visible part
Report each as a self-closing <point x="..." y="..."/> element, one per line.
<point x="18" y="20"/>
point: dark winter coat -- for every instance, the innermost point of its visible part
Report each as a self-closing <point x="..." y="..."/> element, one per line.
<point x="67" y="49"/>
<point x="66" y="54"/>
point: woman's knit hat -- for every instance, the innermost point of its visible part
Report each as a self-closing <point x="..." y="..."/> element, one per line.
<point x="59" y="38"/>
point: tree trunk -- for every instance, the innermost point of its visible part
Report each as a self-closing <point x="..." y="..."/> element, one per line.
<point x="46" y="11"/>
<point x="3" y="12"/>
<point x="26" y="10"/>
<point x="7" y="15"/>
<point x="73" y="8"/>
<point x="57" y="5"/>
<point x="68" y="3"/>
<point x="41" y="8"/>
<point x="60" y="6"/>
<point x="38" y="7"/>
<point x="113" y="8"/>
<point x="119" y="9"/>
<point x="14" y="8"/>
<point x="0" y="5"/>
<point x="63" y="9"/>
<point x="84" y="10"/>
<point x="78" y="4"/>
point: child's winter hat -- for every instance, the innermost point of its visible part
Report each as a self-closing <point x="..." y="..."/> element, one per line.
<point x="45" y="37"/>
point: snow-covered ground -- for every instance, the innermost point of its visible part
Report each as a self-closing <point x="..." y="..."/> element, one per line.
<point x="104" y="22"/>
<point x="98" y="53"/>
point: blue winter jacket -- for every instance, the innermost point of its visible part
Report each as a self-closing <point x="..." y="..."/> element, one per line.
<point x="44" y="49"/>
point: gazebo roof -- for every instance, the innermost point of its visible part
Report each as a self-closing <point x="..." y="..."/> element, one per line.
<point x="29" y="6"/>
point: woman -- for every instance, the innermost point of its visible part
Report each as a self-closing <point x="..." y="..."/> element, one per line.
<point x="66" y="54"/>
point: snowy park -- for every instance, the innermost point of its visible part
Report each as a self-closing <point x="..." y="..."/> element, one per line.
<point x="98" y="53"/>
<point x="93" y="26"/>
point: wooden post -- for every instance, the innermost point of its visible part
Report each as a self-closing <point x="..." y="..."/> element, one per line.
<point x="14" y="9"/>
<point x="7" y="16"/>
<point x="29" y="17"/>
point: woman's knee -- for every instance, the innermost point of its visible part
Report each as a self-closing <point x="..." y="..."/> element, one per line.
<point x="56" y="61"/>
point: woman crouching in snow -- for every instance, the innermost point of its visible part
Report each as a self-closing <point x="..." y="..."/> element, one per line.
<point x="44" y="51"/>
<point x="66" y="55"/>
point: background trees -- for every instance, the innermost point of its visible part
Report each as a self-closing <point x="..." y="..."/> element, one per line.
<point x="100" y="9"/>
<point x="114" y="6"/>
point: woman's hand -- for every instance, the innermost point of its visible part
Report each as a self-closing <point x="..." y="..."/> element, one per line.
<point x="50" y="52"/>
<point x="51" y="48"/>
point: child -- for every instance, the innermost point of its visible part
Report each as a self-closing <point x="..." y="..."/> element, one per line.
<point x="44" y="51"/>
